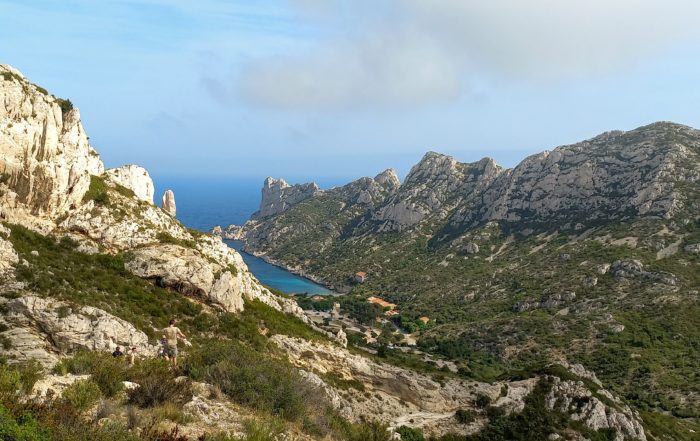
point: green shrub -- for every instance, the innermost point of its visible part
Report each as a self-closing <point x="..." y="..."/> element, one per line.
<point x="10" y="382"/>
<point x="482" y="400"/>
<point x="410" y="434"/>
<point x="167" y="238"/>
<point x="65" y="104"/>
<point x="250" y="379"/>
<point x="30" y="372"/>
<point x="158" y="385"/>
<point x="97" y="191"/>
<point x="82" y="394"/>
<point x="24" y="428"/>
<point x="465" y="416"/>
<point x="109" y="374"/>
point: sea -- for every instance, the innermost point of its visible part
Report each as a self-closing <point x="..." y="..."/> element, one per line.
<point x="203" y="203"/>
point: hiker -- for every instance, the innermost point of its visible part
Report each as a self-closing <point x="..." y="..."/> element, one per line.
<point x="172" y="333"/>
<point x="117" y="352"/>
<point x="132" y="356"/>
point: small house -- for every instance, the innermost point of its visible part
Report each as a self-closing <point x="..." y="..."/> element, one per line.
<point x="424" y="319"/>
<point x="360" y="277"/>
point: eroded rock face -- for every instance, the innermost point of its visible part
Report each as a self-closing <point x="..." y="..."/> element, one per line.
<point x="433" y="188"/>
<point x="278" y="196"/>
<point x="579" y="402"/>
<point x="44" y="328"/>
<point x="135" y="178"/>
<point x="168" y="203"/>
<point x="45" y="157"/>
<point x="613" y="176"/>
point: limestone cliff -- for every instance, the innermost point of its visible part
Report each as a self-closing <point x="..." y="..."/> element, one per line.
<point x="45" y="158"/>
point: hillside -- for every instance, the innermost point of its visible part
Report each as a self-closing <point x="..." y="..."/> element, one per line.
<point x="89" y="263"/>
<point x="587" y="253"/>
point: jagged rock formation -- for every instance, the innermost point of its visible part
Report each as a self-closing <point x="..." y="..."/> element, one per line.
<point x="135" y="178"/>
<point x="574" y="398"/>
<point x="168" y="203"/>
<point x="45" y="158"/>
<point x="43" y="329"/>
<point x="278" y="196"/>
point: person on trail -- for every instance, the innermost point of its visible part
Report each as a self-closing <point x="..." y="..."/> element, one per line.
<point x="132" y="356"/>
<point x="117" y="352"/>
<point x="172" y="333"/>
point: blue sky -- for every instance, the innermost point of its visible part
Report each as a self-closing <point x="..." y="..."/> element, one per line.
<point x="337" y="89"/>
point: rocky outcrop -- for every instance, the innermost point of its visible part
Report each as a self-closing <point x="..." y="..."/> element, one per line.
<point x="548" y="301"/>
<point x="573" y="398"/>
<point x="188" y="272"/>
<point x="135" y="178"/>
<point x="45" y="158"/>
<point x="278" y="196"/>
<point x="617" y="175"/>
<point x="634" y="269"/>
<point x="44" y="329"/>
<point x="168" y="203"/>
<point x="434" y="187"/>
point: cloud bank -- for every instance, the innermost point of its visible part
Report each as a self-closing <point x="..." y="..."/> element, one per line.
<point x="411" y="52"/>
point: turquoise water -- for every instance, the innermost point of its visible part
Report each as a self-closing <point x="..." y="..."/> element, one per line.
<point x="204" y="203"/>
<point x="277" y="277"/>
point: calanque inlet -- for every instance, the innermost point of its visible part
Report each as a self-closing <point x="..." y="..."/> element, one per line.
<point x="555" y="300"/>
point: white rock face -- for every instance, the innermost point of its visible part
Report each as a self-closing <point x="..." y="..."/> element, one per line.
<point x="168" y="203"/>
<point x="8" y="255"/>
<point x="45" y="156"/>
<point x="135" y="178"/>
<point x="43" y="328"/>
<point x="434" y="187"/>
<point x="278" y="196"/>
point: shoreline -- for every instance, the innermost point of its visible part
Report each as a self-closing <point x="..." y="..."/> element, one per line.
<point x="296" y="271"/>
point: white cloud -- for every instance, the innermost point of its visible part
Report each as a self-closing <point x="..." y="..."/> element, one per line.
<point x="418" y="51"/>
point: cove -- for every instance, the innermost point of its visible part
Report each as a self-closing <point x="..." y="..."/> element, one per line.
<point x="276" y="277"/>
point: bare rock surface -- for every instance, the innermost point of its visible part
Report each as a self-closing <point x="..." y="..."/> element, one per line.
<point x="45" y="156"/>
<point x="135" y="178"/>
<point x="575" y="399"/>
<point x="168" y="203"/>
<point x="44" y="329"/>
<point x="278" y="196"/>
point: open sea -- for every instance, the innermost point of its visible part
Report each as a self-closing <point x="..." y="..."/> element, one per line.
<point x="203" y="203"/>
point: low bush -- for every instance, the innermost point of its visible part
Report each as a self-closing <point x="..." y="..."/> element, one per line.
<point x="251" y="380"/>
<point x="97" y="191"/>
<point x="167" y="238"/>
<point x="465" y="416"/>
<point x="158" y="385"/>
<point x="82" y="395"/>
<point x="410" y="434"/>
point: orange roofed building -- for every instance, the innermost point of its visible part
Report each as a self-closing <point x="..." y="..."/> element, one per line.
<point x="381" y="302"/>
<point x="360" y="277"/>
